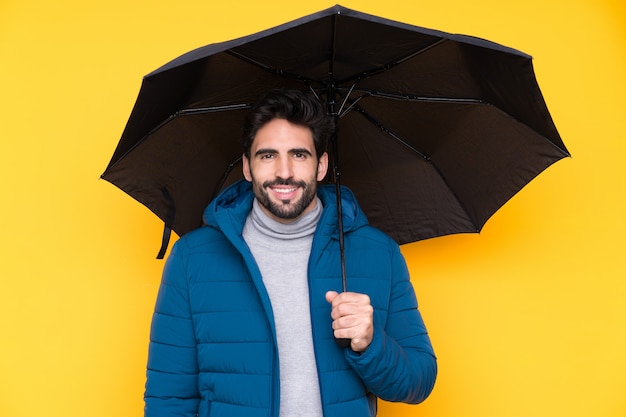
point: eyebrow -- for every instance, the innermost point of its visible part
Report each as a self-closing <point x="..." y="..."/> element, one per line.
<point x="264" y="151"/>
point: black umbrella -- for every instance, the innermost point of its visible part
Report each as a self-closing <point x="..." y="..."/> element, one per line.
<point x="435" y="131"/>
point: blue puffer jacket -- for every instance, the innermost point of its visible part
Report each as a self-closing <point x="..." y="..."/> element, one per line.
<point x="213" y="342"/>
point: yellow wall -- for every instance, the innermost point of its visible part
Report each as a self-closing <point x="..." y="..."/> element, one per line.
<point x="528" y="318"/>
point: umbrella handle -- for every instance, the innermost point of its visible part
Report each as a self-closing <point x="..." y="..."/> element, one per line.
<point x="343" y="343"/>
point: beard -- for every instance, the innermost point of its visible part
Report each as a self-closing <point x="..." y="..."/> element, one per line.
<point x="285" y="209"/>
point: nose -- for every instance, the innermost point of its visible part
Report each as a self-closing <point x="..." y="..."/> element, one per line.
<point x="284" y="167"/>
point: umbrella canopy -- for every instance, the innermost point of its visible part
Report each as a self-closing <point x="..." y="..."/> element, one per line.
<point x="435" y="131"/>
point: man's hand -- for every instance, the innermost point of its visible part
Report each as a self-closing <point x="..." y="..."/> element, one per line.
<point x="353" y="318"/>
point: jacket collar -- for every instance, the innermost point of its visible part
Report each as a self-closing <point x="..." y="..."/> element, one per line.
<point x="229" y="210"/>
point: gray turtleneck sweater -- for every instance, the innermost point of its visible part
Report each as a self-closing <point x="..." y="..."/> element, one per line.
<point x="282" y="254"/>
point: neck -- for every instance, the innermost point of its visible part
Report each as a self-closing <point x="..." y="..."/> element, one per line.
<point x="301" y="227"/>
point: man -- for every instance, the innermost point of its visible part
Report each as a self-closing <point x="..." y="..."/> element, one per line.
<point x="248" y="310"/>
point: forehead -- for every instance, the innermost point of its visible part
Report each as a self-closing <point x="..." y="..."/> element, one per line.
<point x="280" y="134"/>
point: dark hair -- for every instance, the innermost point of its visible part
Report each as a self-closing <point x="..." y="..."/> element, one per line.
<point x="295" y="106"/>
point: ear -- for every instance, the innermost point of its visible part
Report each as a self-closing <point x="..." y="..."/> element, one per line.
<point x="322" y="166"/>
<point x="245" y="167"/>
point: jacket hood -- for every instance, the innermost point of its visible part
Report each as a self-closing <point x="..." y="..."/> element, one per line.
<point x="229" y="210"/>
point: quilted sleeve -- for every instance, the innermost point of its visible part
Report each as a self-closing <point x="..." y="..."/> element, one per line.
<point x="172" y="371"/>
<point x="399" y="365"/>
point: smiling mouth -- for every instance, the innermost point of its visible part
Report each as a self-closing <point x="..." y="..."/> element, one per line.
<point x="284" y="190"/>
<point x="284" y="194"/>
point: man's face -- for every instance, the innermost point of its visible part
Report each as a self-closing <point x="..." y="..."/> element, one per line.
<point x="284" y="170"/>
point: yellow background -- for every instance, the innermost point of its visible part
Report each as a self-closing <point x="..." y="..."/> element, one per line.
<point x="528" y="318"/>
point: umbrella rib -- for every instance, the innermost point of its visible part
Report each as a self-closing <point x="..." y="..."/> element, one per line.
<point x="387" y="131"/>
<point x="270" y="69"/>
<point x="182" y="112"/>
<point x="458" y="100"/>
<point x="411" y="97"/>
<point x="424" y="99"/>
<point x="392" y="64"/>
<point x="212" y="109"/>
<point x="407" y="97"/>
<point x="398" y="139"/>
<point x="227" y="172"/>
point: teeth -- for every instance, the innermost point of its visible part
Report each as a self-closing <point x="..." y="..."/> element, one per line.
<point x="284" y="190"/>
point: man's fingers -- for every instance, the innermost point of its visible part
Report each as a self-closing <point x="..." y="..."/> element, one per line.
<point x="346" y="297"/>
<point x="352" y="315"/>
<point x="331" y="295"/>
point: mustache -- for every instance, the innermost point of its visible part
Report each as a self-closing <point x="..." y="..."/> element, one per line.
<point x="281" y="181"/>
